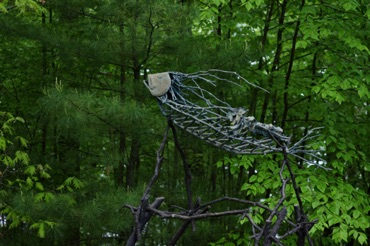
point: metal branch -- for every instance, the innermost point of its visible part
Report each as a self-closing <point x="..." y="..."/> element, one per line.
<point x="166" y="214"/>
<point x="267" y="233"/>
<point x="188" y="176"/>
<point x="301" y="217"/>
<point x="238" y="200"/>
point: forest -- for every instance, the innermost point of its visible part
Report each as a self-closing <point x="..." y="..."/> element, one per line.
<point x="88" y="158"/>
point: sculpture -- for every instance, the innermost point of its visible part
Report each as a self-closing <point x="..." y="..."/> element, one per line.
<point x="198" y="111"/>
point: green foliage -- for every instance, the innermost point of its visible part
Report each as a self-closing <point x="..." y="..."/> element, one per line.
<point x="41" y="227"/>
<point x="341" y="207"/>
<point x="22" y="6"/>
<point x="16" y="161"/>
<point x="74" y="73"/>
<point x="71" y="183"/>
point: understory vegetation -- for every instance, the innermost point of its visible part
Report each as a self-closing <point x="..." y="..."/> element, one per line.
<point x="81" y="135"/>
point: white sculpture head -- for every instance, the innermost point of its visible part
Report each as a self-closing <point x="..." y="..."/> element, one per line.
<point x="159" y="83"/>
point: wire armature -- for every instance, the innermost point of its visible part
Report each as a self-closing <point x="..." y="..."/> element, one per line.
<point x="186" y="100"/>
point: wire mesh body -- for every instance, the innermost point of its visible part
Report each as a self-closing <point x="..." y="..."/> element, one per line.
<point x="196" y="110"/>
<point x="215" y="129"/>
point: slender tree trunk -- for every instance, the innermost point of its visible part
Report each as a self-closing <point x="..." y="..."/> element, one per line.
<point x="275" y="66"/>
<point x="119" y="171"/>
<point x="290" y="68"/>
<point x="133" y="164"/>
<point x="44" y="83"/>
<point x="254" y="96"/>
<point x="219" y="25"/>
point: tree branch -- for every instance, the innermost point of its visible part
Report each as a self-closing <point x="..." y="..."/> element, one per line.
<point x="141" y="215"/>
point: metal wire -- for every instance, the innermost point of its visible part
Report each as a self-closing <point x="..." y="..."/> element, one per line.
<point x="198" y="111"/>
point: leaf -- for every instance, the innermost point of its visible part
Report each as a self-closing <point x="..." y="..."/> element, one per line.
<point x="61" y="187"/>
<point x="45" y="175"/>
<point x="363" y="91"/>
<point x="30" y="170"/>
<point x="29" y="182"/>
<point x="229" y="244"/>
<point x="343" y="235"/>
<point x="8" y="161"/>
<point x="301" y="44"/>
<point x="77" y="183"/>
<point x="49" y="196"/>
<point x="219" y="164"/>
<point x="22" y="157"/>
<point x="2" y="8"/>
<point x="253" y="178"/>
<point x="368" y="13"/>
<point x="321" y="186"/>
<point x="350" y="5"/>
<point x="362" y="238"/>
<point x="315" y="204"/>
<point x="39" y="186"/>
<point x="245" y="186"/>
<point x="354" y="233"/>
<point x="23" y="141"/>
<point x="248" y="5"/>
<point x="3" y="142"/>
<point x="68" y="181"/>
<point x="73" y="181"/>
<point x="41" y="231"/>
<point x="20" y="119"/>
<point x="356" y="214"/>
<point x="39" y="196"/>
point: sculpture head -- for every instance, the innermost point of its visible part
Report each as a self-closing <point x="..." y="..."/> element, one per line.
<point x="159" y="83"/>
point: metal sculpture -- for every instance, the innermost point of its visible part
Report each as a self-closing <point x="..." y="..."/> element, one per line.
<point x="198" y="111"/>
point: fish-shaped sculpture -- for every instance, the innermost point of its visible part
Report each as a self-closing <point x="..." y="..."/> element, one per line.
<point x="195" y="109"/>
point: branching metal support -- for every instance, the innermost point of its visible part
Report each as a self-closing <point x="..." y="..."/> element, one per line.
<point x="196" y="110"/>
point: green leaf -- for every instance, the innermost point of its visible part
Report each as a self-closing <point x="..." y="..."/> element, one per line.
<point x="301" y="44"/>
<point x="368" y="13"/>
<point x="3" y="142"/>
<point x="350" y="5"/>
<point x="23" y="141"/>
<point x="219" y="164"/>
<point x="39" y="196"/>
<point x="29" y="182"/>
<point x="8" y="161"/>
<point x="362" y="238"/>
<point x="253" y="178"/>
<point x="334" y="220"/>
<point x="363" y="91"/>
<point x="343" y="235"/>
<point x="30" y="170"/>
<point x="356" y="214"/>
<point x="22" y="157"/>
<point x="321" y="186"/>
<point x="61" y="187"/>
<point x="3" y="8"/>
<point x="45" y="175"/>
<point x="39" y="186"/>
<point x="49" y="196"/>
<point x="245" y="186"/>
<point x="41" y="231"/>
<point x="354" y="233"/>
<point x="315" y="204"/>
<point x="229" y="244"/>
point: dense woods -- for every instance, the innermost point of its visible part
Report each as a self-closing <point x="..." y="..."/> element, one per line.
<point x="79" y="131"/>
